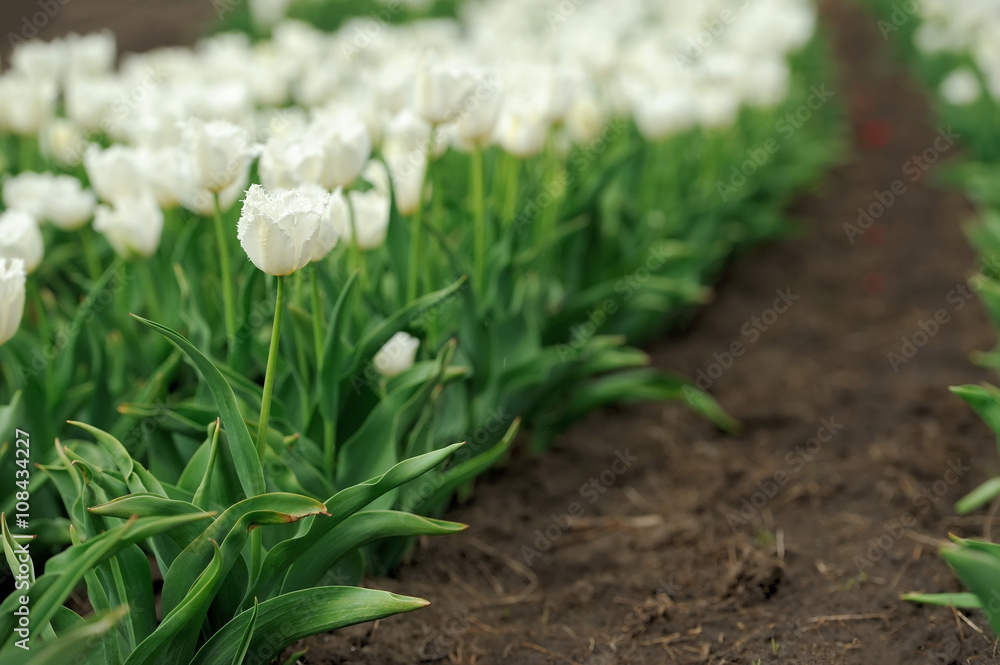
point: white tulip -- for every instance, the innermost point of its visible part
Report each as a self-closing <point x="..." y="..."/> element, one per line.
<point x="279" y="230"/>
<point x="12" y="294"/>
<point x="441" y="91"/>
<point x="475" y="124"/>
<point x="63" y="141"/>
<point x="346" y="146"/>
<point x="27" y="192"/>
<point x="404" y="146"/>
<point x="522" y="128"/>
<point x="90" y="99"/>
<point x="91" y="54"/>
<point x="289" y="161"/>
<point x="20" y="238"/>
<point x="267" y="13"/>
<point x="69" y="206"/>
<point x="40" y="61"/>
<point x="663" y="114"/>
<point x="164" y="172"/>
<point x="218" y="153"/>
<point x="397" y="355"/>
<point x="370" y="214"/>
<point x="201" y="200"/>
<point x="26" y="104"/>
<point x="133" y="227"/>
<point x="116" y="173"/>
<point x="585" y="119"/>
<point x="376" y="175"/>
<point x="961" y="87"/>
<point x="335" y="217"/>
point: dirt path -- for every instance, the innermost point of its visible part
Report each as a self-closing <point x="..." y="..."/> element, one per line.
<point x="846" y="473"/>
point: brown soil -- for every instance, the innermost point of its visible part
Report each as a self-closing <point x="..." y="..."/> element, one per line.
<point x="652" y="571"/>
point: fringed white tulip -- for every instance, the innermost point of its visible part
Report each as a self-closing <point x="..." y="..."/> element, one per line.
<point x="278" y="229"/>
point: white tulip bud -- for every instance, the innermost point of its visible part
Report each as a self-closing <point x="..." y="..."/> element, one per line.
<point x="26" y="104"/>
<point x="89" y="100"/>
<point x="477" y="120"/>
<point x="12" y="293"/>
<point x="40" y="61"/>
<point x="961" y="87"/>
<point x="665" y="114"/>
<point x="133" y="227"/>
<point x="91" y="54"/>
<point x="522" y="128"/>
<point x="20" y="238"/>
<point x="376" y="175"/>
<point x="115" y="173"/>
<point x="27" y="192"/>
<point x="69" y="206"/>
<point x="397" y="355"/>
<point x="441" y="90"/>
<point x="289" y="161"/>
<point x="279" y="230"/>
<point x="404" y="147"/>
<point x="370" y="212"/>
<point x="218" y="153"/>
<point x="346" y="146"/>
<point x="63" y="141"/>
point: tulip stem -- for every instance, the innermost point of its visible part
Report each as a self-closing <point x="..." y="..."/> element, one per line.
<point x="25" y="158"/>
<point x="513" y="181"/>
<point x="272" y="361"/>
<point x="90" y="253"/>
<point x="44" y="332"/>
<point x="329" y="446"/>
<point x="480" y="213"/>
<point x="412" y="289"/>
<point x="317" y="314"/>
<point x="148" y="279"/>
<point x="228" y="300"/>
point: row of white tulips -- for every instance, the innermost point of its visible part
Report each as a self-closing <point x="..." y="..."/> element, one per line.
<point x="187" y="124"/>
<point x="963" y="27"/>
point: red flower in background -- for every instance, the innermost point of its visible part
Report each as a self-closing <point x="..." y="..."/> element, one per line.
<point x="874" y="133"/>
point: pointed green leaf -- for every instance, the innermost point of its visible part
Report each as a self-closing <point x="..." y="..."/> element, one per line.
<point x="242" y="446"/>
<point x="354" y="532"/>
<point x="288" y="618"/>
